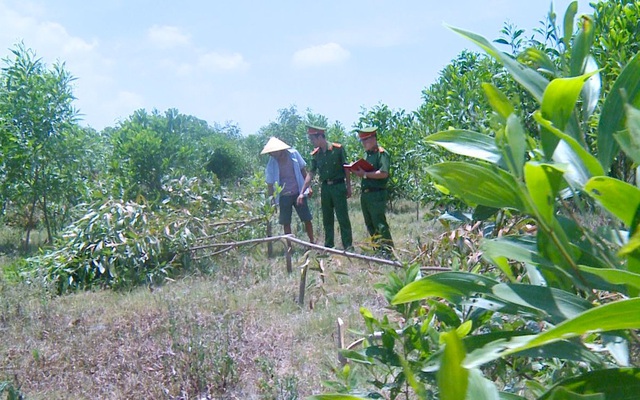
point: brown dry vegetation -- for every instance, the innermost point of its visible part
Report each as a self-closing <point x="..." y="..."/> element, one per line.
<point x="234" y="333"/>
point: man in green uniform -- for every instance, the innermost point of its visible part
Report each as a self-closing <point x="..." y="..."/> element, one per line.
<point x="327" y="162"/>
<point x="373" y="198"/>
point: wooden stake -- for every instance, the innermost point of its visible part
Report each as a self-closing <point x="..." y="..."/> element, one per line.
<point x="341" y="359"/>
<point x="269" y="244"/>
<point x="289" y="251"/>
<point x="303" y="283"/>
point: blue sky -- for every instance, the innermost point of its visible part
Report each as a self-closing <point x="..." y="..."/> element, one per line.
<point x="242" y="61"/>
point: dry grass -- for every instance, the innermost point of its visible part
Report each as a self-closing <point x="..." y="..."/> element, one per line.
<point x="236" y="333"/>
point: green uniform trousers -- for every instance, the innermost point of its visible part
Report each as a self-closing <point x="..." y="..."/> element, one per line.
<point x="333" y="198"/>
<point x="373" y="205"/>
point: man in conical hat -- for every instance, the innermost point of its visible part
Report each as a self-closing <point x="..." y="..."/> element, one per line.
<point x="287" y="168"/>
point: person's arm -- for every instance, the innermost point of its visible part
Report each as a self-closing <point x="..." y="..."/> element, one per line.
<point x="347" y="174"/>
<point x="379" y="174"/>
<point x="308" y="176"/>
<point x="271" y="177"/>
<point x="270" y="191"/>
<point x="383" y="171"/>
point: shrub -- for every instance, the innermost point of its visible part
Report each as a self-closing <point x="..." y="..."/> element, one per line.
<point x="116" y="244"/>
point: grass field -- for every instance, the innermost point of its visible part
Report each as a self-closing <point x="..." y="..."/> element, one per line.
<point x="235" y="332"/>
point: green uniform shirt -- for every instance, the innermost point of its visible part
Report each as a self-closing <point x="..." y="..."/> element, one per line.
<point x="328" y="164"/>
<point x="380" y="160"/>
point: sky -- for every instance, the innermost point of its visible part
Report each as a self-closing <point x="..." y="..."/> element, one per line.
<point x="241" y="61"/>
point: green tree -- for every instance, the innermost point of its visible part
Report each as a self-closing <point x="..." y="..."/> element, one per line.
<point x="39" y="140"/>
<point x="456" y="98"/>
<point x="148" y="149"/>
<point x="288" y="128"/>
<point x="618" y="39"/>
<point x="225" y="157"/>
<point x="618" y="36"/>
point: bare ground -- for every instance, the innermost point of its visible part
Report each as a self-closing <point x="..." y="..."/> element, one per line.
<point x="236" y="333"/>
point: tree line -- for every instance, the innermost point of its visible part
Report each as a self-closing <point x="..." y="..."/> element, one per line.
<point x="50" y="165"/>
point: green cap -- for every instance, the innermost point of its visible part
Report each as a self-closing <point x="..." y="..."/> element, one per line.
<point x="367" y="132"/>
<point x="315" y="130"/>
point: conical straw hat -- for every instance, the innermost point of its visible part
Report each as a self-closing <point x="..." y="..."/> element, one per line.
<point x="274" y="144"/>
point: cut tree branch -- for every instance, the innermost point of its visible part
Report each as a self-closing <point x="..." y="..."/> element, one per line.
<point x="291" y="238"/>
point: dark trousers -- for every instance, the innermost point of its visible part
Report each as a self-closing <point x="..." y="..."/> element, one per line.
<point x="333" y="198"/>
<point x="373" y="206"/>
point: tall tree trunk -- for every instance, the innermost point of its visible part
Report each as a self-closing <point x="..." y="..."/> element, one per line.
<point x="30" y="223"/>
<point x="45" y="212"/>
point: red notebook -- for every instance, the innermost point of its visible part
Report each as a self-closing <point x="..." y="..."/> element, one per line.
<point x="361" y="163"/>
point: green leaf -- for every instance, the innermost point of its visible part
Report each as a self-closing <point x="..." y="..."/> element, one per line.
<point x="543" y="183"/>
<point x="495" y="349"/>
<point x="480" y="388"/>
<point x="527" y="77"/>
<point x="633" y="244"/>
<point x="569" y="15"/>
<point x="613" y="316"/>
<point x="518" y="248"/>
<point x="554" y="244"/>
<point x="453" y="378"/>
<point x="336" y="396"/>
<point x="582" y="45"/>
<point x="618" y="347"/>
<point x="614" y="276"/>
<point x="613" y="384"/>
<point x="493" y="303"/>
<point x="558" y="304"/>
<point x="498" y="101"/>
<point x="540" y="301"/>
<point x="541" y="60"/>
<point x="464" y="329"/>
<point x="629" y="139"/>
<point x="565" y="350"/>
<point x="618" y="197"/>
<point x="510" y="396"/>
<point x="581" y="165"/>
<point x="565" y="394"/>
<point x="560" y="99"/>
<point x="446" y="285"/>
<point x="503" y="265"/>
<point x="492" y="187"/>
<point x="558" y="103"/>
<point x="516" y="142"/>
<point x="467" y="143"/>
<point x="483" y="213"/>
<point x="591" y="89"/>
<point x="357" y="356"/>
<point x="612" y="118"/>
<point x="523" y="249"/>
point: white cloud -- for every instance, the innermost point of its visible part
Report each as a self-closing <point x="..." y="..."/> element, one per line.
<point x="222" y="62"/>
<point x="49" y="40"/>
<point x="166" y="37"/>
<point x="330" y="53"/>
<point x="52" y="42"/>
<point x="182" y="69"/>
<point x="121" y="106"/>
<point x="211" y="62"/>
